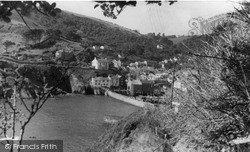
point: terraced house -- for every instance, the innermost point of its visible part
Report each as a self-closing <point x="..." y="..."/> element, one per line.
<point x="100" y="82"/>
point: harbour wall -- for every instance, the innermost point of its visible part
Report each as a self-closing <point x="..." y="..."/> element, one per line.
<point x="128" y="99"/>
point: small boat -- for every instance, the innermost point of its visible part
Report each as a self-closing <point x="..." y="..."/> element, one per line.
<point x="111" y="119"/>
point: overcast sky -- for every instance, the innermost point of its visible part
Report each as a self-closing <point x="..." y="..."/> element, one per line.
<point x="153" y="18"/>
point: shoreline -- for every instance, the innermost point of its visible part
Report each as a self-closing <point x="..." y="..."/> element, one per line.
<point x="120" y="97"/>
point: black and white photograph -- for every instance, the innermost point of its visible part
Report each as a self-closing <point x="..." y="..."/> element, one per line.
<point x="125" y="76"/>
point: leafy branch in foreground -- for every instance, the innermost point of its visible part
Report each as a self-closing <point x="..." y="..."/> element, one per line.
<point x="23" y="96"/>
<point x="24" y="8"/>
<point x="113" y="8"/>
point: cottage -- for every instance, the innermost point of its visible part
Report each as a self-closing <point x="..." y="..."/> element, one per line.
<point x="102" y="64"/>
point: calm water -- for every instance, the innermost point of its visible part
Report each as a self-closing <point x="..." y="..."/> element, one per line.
<point x="77" y="120"/>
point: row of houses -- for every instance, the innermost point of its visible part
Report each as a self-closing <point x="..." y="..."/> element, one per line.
<point x="111" y="80"/>
<point x="133" y="87"/>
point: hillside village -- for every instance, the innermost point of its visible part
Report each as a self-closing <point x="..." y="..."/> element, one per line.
<point x="135" y="79"/>
<point x="146" y="80"/>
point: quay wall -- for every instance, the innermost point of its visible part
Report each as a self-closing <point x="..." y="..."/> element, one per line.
<point x="128" y="99"/>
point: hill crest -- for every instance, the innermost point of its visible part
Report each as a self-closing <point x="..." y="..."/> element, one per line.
<point x="107" y="23"/>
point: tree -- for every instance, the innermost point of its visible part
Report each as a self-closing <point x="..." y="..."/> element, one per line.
<point x="24" y="94"/>
<point x="15" y="111"/>
<point x="113" y="8"/>
<point x="24" y="8"/>
<point x="35" y="35"/>
<point x="8" y="44"/>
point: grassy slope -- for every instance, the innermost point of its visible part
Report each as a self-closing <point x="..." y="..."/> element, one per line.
<point x="133" y="134"/>
<point x="106" y="23"/>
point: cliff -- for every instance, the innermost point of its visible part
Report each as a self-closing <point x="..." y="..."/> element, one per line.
<point x="79" y="79"/>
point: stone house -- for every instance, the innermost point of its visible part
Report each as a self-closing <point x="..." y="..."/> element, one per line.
<point x="134" y="87"/>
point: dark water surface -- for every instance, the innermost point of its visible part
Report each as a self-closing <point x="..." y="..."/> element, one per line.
<point x="77" y="120"/>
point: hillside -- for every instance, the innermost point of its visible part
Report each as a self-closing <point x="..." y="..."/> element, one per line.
<point x="11" y="32"/>
<point x="108" y="24"/>
<point x="89" y="32"/>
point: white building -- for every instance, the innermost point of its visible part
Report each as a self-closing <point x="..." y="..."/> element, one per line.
<point x="100" y="82"/>
<point x="101" y="47"/>
<point x="100" y="64"/>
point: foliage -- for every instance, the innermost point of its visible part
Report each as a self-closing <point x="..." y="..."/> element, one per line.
<point x="23" y="93"/>
<point x="72" y="35"/>
<point x="217" y="102"/>
<point x="85" y="56"/>
<point x="96" y="33"/>
<point x="24" y="8"/>
<point x="113" y="8"/>
<point x="123" y="133"/>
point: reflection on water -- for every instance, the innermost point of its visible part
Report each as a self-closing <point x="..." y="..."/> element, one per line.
<point x="77" y="120"/>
